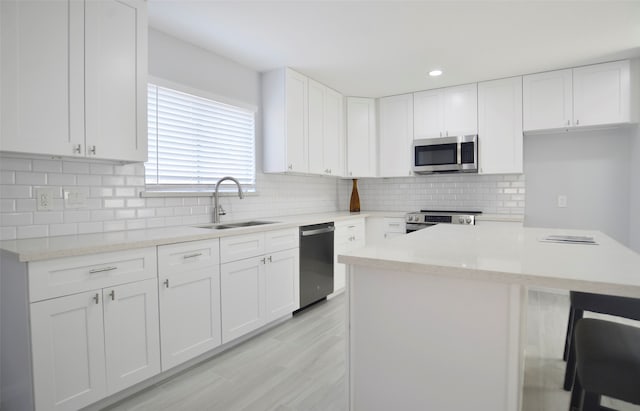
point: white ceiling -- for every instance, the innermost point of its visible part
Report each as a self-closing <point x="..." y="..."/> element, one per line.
<point x="380" y="48"/>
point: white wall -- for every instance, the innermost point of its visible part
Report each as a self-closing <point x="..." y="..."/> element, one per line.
<point x="634" y="209"/>
<point x="591" y="168"/>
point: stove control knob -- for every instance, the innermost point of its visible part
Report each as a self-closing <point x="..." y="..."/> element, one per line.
<point x="461" y="220"/>
<point x="468" y="220"/>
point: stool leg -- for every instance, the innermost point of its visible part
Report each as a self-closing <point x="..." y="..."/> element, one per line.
<point x="567" y="341"/>
<point x="570" y="371"/>
<point x="576" y="395"/>
<point x="591" y="402"/>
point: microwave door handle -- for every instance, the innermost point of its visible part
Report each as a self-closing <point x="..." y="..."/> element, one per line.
<point x="459" y="156"/>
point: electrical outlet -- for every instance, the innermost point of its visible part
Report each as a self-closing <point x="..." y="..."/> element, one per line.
<point x="562" y="200"/>
<point x="44" y="198"/>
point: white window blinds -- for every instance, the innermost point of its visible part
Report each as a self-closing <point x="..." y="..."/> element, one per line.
<point x="195" y="141"/>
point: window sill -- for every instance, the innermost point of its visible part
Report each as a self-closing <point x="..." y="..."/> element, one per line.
<point x="193" y="193"/>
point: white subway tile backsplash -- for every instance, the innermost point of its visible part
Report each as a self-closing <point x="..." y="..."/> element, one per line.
<point x="113" y="197"/>
<point x="33" y="231"/>
<point x="47" y="217"/>
<point x="16" y="219"/>
<point x="63" y="229"/>
<point x="51" y="166"/>
<point x="113" y="181"/>
<point x="114" y="203"/>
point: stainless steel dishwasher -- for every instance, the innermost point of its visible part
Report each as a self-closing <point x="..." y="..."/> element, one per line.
<point x="316" y="263"/>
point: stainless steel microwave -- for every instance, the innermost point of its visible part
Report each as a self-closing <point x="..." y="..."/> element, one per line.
<point x="446" y="154"/>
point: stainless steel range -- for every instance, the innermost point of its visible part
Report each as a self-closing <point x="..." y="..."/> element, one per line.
<point x="427" y="218"/>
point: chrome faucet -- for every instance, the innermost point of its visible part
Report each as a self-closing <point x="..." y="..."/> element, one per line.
<point x="216" y="206"/>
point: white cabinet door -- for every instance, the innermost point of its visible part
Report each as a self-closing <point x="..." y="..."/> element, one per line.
<point x="132" y="339"/>
<point x="547" y="100"/>
<point x="500" y="126"/>
<point x="461" y="110"/>
<point x="316" y="127"/>
<point x="428" y="118"/>
<point x="349" y="234"/>
<point x="67" y="338"/>
<point x="41" y="46"/>
<point x="296" y="129"/>
<point x="361" y="137"/>
<point x="282" y="284"/>
<point x="189" y="313"/>
<point x="396" y="136"/>
<point x="115" y="80"/>
<point x="242" y="294"/>
<point x="446" y="112"/>
<point x="333" y="143"/>
<point x="601" y="94"/>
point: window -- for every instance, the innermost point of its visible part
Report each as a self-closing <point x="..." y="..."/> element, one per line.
<point x="195" y="141"/>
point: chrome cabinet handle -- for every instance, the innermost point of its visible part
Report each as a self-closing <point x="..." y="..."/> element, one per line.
<point x="577" y="122"/>
<point x="192" y="255"/>
<point x="92" y="150"/>
<point x="77" y="149"/>
<point x="166" y="283"/>
<point x="264" y="260"/>
<point x="290" y="166"/>
<point x="270" y="259"/>
<point x="112" y="294"/>
<point x="568" y="122"/>
<point x="101" y="270"/>
<point x="96" y="298"/>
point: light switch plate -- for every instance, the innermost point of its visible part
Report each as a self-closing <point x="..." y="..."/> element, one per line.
<point x="44" y="198"/>
<point x="75" y="198"/>
<point x="562" y="200"/>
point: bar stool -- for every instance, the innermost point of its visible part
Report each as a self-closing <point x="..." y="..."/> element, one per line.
<point x="598" y="303"/>
<point x="608" y="363"/>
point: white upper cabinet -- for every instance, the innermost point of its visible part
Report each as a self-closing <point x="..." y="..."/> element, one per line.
<point x="601" y="94"/>
<point x="396" y="135"/>
<point x="58" y="62"/>
<point x="361" y="137"/>
<point x="285" y="110"/>
<point x="116" y="80"/>
<point x="500" y="126"/>
<point x="326" y="142"/>
<point x="581" y="97"/>
<point x="451" y="111"/>
<point x="548" y="100"/>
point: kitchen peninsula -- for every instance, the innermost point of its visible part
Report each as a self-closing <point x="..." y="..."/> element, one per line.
<point x="437" y="318"/>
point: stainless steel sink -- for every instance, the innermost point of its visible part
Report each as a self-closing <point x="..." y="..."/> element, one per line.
<point x="235" y="225"/>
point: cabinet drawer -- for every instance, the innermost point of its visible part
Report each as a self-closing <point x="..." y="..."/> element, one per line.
<point x="282" y="240"/>
<point x="64" y="276"/>
<point x="350" y="230"/>
<point x="192" y="255"/>
<point x="241" y="246"/>
<point x="394" y="225"/>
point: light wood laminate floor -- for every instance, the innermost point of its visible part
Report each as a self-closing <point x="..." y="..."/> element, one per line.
<point x="300" y="365"/>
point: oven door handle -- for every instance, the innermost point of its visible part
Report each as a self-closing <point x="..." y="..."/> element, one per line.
<point x="459" y="154"/>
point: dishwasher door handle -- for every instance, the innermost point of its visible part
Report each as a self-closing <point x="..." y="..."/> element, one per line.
<point x="317" y="231"/>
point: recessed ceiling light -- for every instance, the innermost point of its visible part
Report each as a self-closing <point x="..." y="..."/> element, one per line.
<point x="435" y="73"/>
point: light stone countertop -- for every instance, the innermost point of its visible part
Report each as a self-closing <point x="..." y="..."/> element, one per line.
<point x="510" y="254"/>
<point x="35" y="249"/>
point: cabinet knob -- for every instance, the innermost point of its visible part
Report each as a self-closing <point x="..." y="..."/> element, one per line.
<point x="166" y="283"/>
<point x="577" y="122"/>
<point x="568" y="122"/>
<point x="77" y="149"/>
<point x="92" y="150"/>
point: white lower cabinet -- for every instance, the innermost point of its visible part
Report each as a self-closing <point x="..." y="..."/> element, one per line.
<point x="189" y="300"/>
<point x="349" y="235"/>
<point x="262" y="287"/>
<point x="380" y="229"/>
<point x="92" y="344"/>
